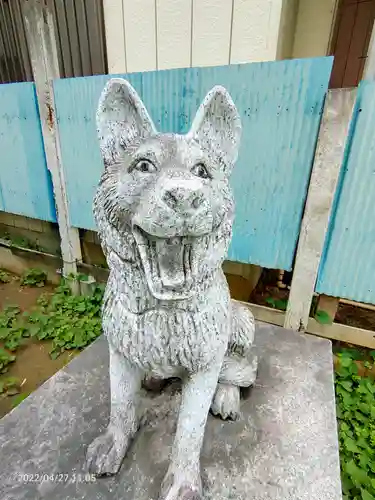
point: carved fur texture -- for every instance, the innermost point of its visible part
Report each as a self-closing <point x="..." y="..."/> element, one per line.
<point x="164" y="211"/>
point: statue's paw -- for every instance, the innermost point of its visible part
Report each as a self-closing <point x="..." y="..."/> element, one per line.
<point x="226" y="402"/>
<point x="180" y="487"/>
<point x="105" y="454"/>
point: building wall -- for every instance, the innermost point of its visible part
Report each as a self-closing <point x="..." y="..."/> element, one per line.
<point x="80" y="40"/>
<point x="159" y="34"/>
<point x="315" y="20"/>
<point x="287" y="30"/>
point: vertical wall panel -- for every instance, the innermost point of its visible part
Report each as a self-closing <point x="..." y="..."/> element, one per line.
<point x="58" y="39"/>
<point x="274" y="28"/>
<point x="313" y="27"/>
<point x="14" y="60"/>
<point x="61" y="27"/>
<point x="115" y="35"/>
<point x="287" y="28"/>
<point x="280" y="104"/>
<point x="73" y="36"/>
<point x="173" y="21"/>
<point x="255" y="30"/>
<point x="95" y="31"/>
<point x="140" y="34"/>
<point x="8" y="37"/>
<point x="5" y="56"/>
<point x="83" y="37"/>
<point x="80" y="36"/>
<point x="212" y="22"/>
<point x="80" y="39"/>
<point x="25" y="185"/>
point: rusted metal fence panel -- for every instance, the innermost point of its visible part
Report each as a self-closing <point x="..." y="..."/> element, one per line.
<point x="79" y="26"/>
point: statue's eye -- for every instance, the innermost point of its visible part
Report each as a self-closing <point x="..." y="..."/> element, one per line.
<point x="200" y="171"/>
<point x="145" y="166"/>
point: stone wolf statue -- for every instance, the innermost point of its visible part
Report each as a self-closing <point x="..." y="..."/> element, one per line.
<point x="164" y="210"/>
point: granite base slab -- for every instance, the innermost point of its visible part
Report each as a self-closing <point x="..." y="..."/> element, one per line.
<point x="284" y="447"/>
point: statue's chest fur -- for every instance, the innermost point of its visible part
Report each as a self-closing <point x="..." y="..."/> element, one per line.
<point x="162" y="338"/>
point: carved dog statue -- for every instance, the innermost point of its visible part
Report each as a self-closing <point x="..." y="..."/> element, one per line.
<point x="164" y="210"/>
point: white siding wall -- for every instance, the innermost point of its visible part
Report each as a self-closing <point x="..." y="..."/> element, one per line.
<point x="140" y="25"/>
<point x="212" y="22"/>
<point x="115" y="35"/>
<point x="159" y="34"/>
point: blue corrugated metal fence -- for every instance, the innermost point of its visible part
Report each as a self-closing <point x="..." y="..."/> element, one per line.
<point x="25" y="185"/>
<point x="348" y="264"/>
<point x="280" y="105"/>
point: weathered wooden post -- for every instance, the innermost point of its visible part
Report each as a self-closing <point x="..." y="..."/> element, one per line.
<point x="43" y="53"/>
<point x="325" y="172"/>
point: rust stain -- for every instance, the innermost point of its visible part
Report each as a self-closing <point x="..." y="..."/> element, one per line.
<point x="50" y="117"/>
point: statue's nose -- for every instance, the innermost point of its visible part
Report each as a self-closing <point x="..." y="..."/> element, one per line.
<point x="182" y="199"/>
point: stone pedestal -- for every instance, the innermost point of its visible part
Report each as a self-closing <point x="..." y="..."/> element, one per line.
<point x="283" y="448"/>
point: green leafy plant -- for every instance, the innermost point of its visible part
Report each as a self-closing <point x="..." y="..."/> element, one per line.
<point x="4" y="277"/>
<point x="9" y="386"/>
<point x="277" y="303"/>
<point x="34" y="277"/>
<point x="12" y="331"/>
<point x="323" y="317"/>
<point x="82" y="277"/>
<point x="356" y="424"/>
<point x="5" y="359"/>
<point x="8" y="315"/>
<point x="71" y="322"/>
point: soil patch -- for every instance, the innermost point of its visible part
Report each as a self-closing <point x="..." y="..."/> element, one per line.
<point x="33" y="365"/>
<point x="24" y="297"/>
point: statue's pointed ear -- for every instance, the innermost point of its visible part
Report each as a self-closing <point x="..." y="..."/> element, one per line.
<point x="121" y="118"/>
<point x="217" y="127"/>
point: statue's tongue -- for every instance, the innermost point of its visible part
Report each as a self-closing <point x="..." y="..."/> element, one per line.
<point x="170" y="256"/>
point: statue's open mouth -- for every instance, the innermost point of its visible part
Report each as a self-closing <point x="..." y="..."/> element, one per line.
<point x="168" y="263"/>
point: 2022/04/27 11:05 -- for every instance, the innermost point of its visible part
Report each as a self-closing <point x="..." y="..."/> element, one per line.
<point x="55" y="478"/>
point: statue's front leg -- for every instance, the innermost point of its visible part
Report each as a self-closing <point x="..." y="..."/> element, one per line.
<point x="106" y="452"/>
<point x="183" y="481"/>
